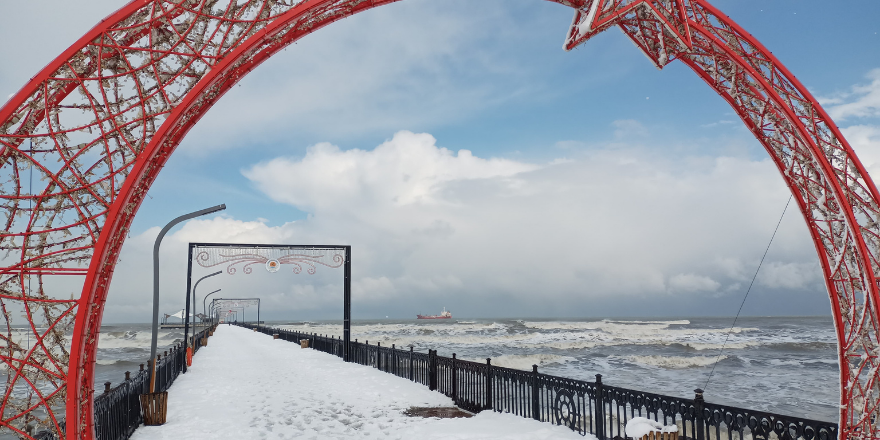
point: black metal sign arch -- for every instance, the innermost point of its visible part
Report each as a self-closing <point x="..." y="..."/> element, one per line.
<point x="235" y="257"/>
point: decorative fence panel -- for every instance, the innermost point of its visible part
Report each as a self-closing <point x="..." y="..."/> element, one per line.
<point x="583" y="406"/>
<point x="118" y="410"/>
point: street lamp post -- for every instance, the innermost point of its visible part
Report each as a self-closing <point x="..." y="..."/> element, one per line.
<point x="186" y="325"/>
<point x="155" y="335"/>
<point x="215" y="309"/>
<point x="204" y="310"/>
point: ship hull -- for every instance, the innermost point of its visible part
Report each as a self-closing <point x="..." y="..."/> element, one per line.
<point x="432" y="317"/>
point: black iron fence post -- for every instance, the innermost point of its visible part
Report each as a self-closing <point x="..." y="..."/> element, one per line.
<point x="535" y="404"/>
<point x="454" y="381"/>
<point x="379" y="356"/>
<point x="698" y="409"/>
<point x="432" y="369"/>
<point x="411" y="366"/>
<point x="488" y="383"/>
<point x="600" y="409"/>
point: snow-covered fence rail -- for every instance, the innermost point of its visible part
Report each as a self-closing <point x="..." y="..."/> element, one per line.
<point x="583" y="406"/>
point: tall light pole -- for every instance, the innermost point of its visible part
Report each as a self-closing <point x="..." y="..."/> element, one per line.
<point x="186" y="325"/>
<point x="204" y="310"/>
<point x="156" y="283"/>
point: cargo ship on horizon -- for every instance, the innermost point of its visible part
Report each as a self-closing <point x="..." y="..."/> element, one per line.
<point x="443" y="315"/>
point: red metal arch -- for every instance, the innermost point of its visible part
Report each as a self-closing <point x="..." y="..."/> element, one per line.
<point x="99" y="122"/>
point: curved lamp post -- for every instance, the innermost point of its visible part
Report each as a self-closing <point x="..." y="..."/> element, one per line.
<point x="204" y="310"/>
<point x="156" y="283"/>
<point x="215" y="309"/>
<point x="186" y="326"/>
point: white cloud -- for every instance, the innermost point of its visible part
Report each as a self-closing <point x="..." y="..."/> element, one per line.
<point x="424" y="64"/>
<point x="430" y="227"/>
<point x="692" y="283"/>
<point x="408" y="169"/>
<point x="628" y="127"/>
<point x="865" y="140"/>
<point x="596" y="221"/>
<point x="862" y="101"/>
<point x="788" y="275"/>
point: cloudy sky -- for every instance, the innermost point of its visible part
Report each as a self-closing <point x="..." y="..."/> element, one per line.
<point x="473" y="164"/>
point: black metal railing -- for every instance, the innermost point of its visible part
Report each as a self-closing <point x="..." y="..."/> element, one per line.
<point x="118" y="409"/>
<point x="583" y="406"/>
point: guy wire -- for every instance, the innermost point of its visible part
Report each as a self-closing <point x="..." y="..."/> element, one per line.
<point x="718" y="359"/>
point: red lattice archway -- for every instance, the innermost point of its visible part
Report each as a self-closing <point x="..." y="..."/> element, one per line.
<point x="99" y="122"/>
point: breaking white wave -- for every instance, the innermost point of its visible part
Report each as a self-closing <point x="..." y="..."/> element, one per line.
<point x="525" y="361"/>
<point x="106" y="361"/>
<point x="801" y="363"/>
<point x="136" y="339"/>
<point x="700" y="346"/>
<point x="671" y="362"/>
<point x="560" y="335"/>
<point x="602" y="325"/>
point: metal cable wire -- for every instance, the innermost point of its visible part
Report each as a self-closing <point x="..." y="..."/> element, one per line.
<point x="718" y="359"/>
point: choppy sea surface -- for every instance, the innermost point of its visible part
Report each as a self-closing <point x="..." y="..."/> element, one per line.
<point x="786" y="365"/>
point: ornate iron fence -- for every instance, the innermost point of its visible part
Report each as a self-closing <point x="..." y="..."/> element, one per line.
<point x="583" y="406"/>
<point x="118" y="409"/>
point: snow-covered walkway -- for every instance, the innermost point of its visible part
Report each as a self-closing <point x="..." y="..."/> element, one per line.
<point x="245" y="385"/>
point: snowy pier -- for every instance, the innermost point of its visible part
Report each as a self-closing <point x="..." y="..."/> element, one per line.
<point x="246" y="385"/>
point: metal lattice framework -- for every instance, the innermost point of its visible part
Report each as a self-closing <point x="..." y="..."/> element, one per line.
<point x="96" y="125"/>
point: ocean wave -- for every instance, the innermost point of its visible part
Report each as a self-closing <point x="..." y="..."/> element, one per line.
<point x="679" y="322"/>
<point x="136" y="339"/>
<point x="525" y="361"/>
<point x="671" y="362"/>
<point x="801" y="363"/>
<point x="633" y="329"/>
<point x="106" y="361"/>
<point x="805" y="346"/>
<point x="699" y="346"/>
<point x="602" y="324"/>
<point x="579" y="337"/>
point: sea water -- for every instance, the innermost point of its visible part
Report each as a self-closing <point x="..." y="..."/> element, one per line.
<point x="786" y="365"/>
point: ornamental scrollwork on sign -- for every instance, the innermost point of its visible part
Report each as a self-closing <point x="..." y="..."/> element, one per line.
<point x="246" y="260"/>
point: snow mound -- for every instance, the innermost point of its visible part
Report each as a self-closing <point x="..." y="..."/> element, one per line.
<point x="639" y="427"/>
